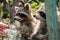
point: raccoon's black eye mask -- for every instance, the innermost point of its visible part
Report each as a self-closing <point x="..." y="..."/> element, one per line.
<point x="21" y="15"/>
<point x="42" y="14"/>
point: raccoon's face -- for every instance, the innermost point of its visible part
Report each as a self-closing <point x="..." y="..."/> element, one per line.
<point x="23" y="13"/>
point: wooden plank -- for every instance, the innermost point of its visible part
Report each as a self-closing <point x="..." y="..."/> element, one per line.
<point x="51" y="19"/>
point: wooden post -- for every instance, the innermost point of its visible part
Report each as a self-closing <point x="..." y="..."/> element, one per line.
<point x="51" y="19"/>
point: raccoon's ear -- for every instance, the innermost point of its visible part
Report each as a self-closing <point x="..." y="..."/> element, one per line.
<point x="27" y="6"/>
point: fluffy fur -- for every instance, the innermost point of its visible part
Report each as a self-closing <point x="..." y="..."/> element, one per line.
<point x="29" y="26"/>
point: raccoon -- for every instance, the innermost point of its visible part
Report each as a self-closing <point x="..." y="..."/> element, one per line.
<point x="29" y="26"/>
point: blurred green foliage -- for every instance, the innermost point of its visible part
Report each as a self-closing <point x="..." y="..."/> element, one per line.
<point x="41" y="0"/>
<point x="4" y="12"/>
<point x="5" y="15"/>
<point x="10" y="2"/>
<point x="35" y="5"/>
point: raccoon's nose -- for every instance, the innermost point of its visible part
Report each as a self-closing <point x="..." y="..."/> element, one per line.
<point x="16" y="18"/>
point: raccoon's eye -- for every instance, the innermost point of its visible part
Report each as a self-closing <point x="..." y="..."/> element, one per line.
<point x="42" y="14"/>
<point x="21" y="15"/>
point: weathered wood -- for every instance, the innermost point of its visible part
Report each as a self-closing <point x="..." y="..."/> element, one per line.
<point x="51" y="19"/>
